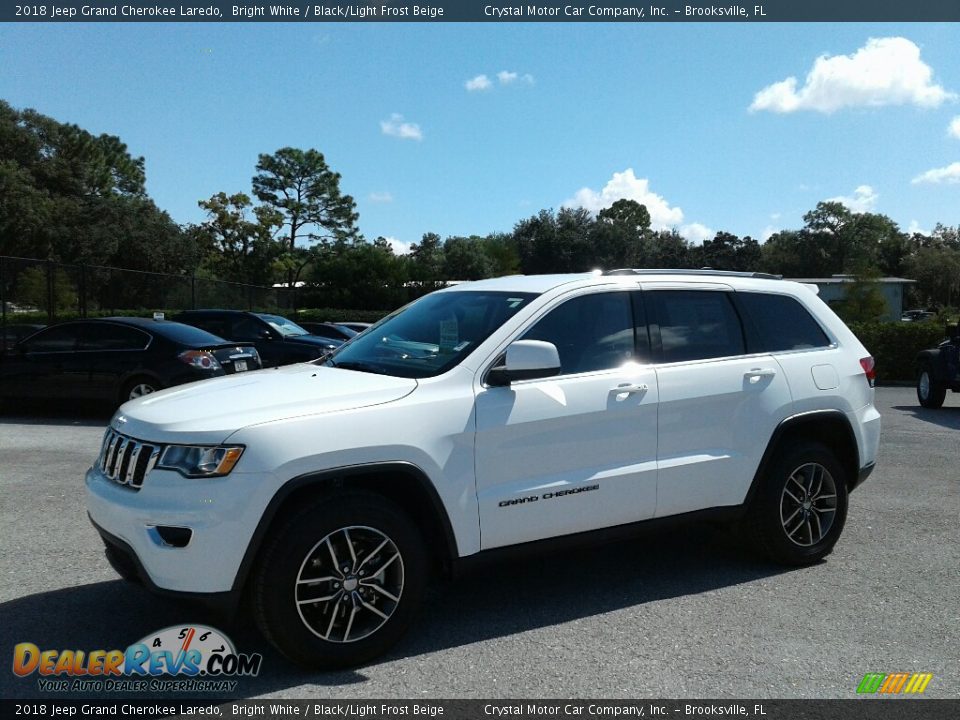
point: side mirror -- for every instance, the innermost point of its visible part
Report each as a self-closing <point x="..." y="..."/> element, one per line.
<point x="526" y="360"/>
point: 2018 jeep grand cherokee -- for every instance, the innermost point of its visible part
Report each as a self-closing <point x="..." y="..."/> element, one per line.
<point x="483" y="416"/>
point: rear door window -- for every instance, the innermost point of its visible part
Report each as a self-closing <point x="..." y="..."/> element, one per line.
<point x="102" y="336"/>
<point x="696" y="324"/>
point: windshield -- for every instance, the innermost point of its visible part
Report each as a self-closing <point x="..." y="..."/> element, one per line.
<point x="283" y="326"/>
<point x="430" y="336"/>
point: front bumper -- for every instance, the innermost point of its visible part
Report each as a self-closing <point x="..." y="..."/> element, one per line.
<point x="221" y="514"/>
<point x="124" y="560"/>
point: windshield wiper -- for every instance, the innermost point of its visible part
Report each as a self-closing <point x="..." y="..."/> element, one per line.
<point x="356" y="365"/>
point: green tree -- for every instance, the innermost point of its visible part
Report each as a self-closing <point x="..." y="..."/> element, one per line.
<point x="667" y="249"/>
<point x="936" y="268"/>
<point x="361" y="276"/>
<point x="794" y="253"/>
<point x="619" y="235"/>
<point x="465" y="258"/>
<point x="862" y="299"/>
<point x="726" y="251"/>
<point x="32" y="289"/>
<point x="237" y="246"/>
<point x="501" y="250"/>
<point x="427" y="262"/>
<point x="72" y="196"/>
<point x="306" y="192"/>
<point x="552" y="243"/>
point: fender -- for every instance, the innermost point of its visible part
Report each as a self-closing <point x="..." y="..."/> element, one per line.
<point x="936" y="360"/>
<point x="798" y="420"/>
<point x="334" y="478"/>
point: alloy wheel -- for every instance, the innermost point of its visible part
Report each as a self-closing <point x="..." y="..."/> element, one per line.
<point x="349" y="584"/>
<point x="808" y="504"/>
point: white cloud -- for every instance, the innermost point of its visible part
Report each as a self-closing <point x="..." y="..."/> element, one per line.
<point x="507" y="77"/>
<point x="399" y="246"/>
<point x="768" y="232"/>
<point x="954" y="129"/>
<point x="864" y="199"/>
<point x="626" y="185"/>
<point x="381" y="197"/>
<point x="396" y="127"/>
<point x="949" y="174"/>
<point x="480" y="82"/>
<point x="885" y="71"/>
<point x="915" y="228"/>
<point x="696" y="233"/>
<point x="504" y="77"/>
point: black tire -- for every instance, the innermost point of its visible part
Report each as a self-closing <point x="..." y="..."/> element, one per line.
<point x="138" y="387"/>
<point x="299" y="550"/>
<point x="930" y="393"/>
<point x="784" y="525"/>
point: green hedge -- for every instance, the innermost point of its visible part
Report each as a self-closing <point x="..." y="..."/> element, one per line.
<point x="335" y="315"/>
<point x="894" y="346"/>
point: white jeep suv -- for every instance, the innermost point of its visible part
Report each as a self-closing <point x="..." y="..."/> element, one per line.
<point x="487" y="415"/>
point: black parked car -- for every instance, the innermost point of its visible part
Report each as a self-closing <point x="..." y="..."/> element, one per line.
<point x="278" y="340"/>
<point x="329" y="330"/>
<point x="117" y="359"/>
<point x="11" y="334"/>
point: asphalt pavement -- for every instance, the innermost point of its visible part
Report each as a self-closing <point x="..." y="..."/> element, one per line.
<point x="685" y="613"/>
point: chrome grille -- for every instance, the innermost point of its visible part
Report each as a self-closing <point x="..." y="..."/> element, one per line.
<point x="126" y="460"/>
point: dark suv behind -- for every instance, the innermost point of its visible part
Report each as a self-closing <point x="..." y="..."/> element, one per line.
<point x="939" y="370"/>
<point x="278" y="340"/>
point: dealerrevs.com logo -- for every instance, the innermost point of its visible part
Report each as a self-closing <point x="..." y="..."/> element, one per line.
<point x="894" y="683"/>
<point x="191" y="658"/>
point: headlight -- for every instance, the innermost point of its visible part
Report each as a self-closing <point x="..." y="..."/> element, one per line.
<point x="200" y="461"/>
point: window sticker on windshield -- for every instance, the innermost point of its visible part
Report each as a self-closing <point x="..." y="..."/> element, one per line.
<point x="461" y="346"/>
<point x="449" y="335"/>
<point x="514" y="302"/>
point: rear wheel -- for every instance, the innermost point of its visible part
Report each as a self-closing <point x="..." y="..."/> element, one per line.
<point x="800" y="510"/>
<point x="929" y="392"/>
<point x="340" y="582"/>
<point x="138" y="387"/>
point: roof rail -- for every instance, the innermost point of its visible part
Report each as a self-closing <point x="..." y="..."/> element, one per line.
<point x="685" y="271"/>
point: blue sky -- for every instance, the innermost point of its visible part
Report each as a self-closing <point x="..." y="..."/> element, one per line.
<point x="668" y="114"/>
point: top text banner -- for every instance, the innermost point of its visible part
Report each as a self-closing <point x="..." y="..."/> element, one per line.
<point x="481" y="11"/>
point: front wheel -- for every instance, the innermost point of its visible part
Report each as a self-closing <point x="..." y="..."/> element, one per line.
<point x="800" y="510"/>
<point x="930" y="393"/>
<point x="340" y="581"/>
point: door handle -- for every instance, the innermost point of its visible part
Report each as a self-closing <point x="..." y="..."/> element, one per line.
<point x="629" y="388"/>
<point x="755" y="374"/>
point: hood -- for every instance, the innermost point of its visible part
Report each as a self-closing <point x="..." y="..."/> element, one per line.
<point x="210" y="410"/>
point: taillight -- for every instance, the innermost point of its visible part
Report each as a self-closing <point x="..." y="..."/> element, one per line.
<point x="199" y="359"/>
<point x="869" y="369"/>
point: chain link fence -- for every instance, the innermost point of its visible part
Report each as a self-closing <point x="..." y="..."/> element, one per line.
<point x="43" y="291"/>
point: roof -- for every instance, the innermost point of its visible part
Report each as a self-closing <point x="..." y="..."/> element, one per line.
<point x="522" y="283"/>
<point x="837" y="279"/>
<point x="543" y="283"/>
